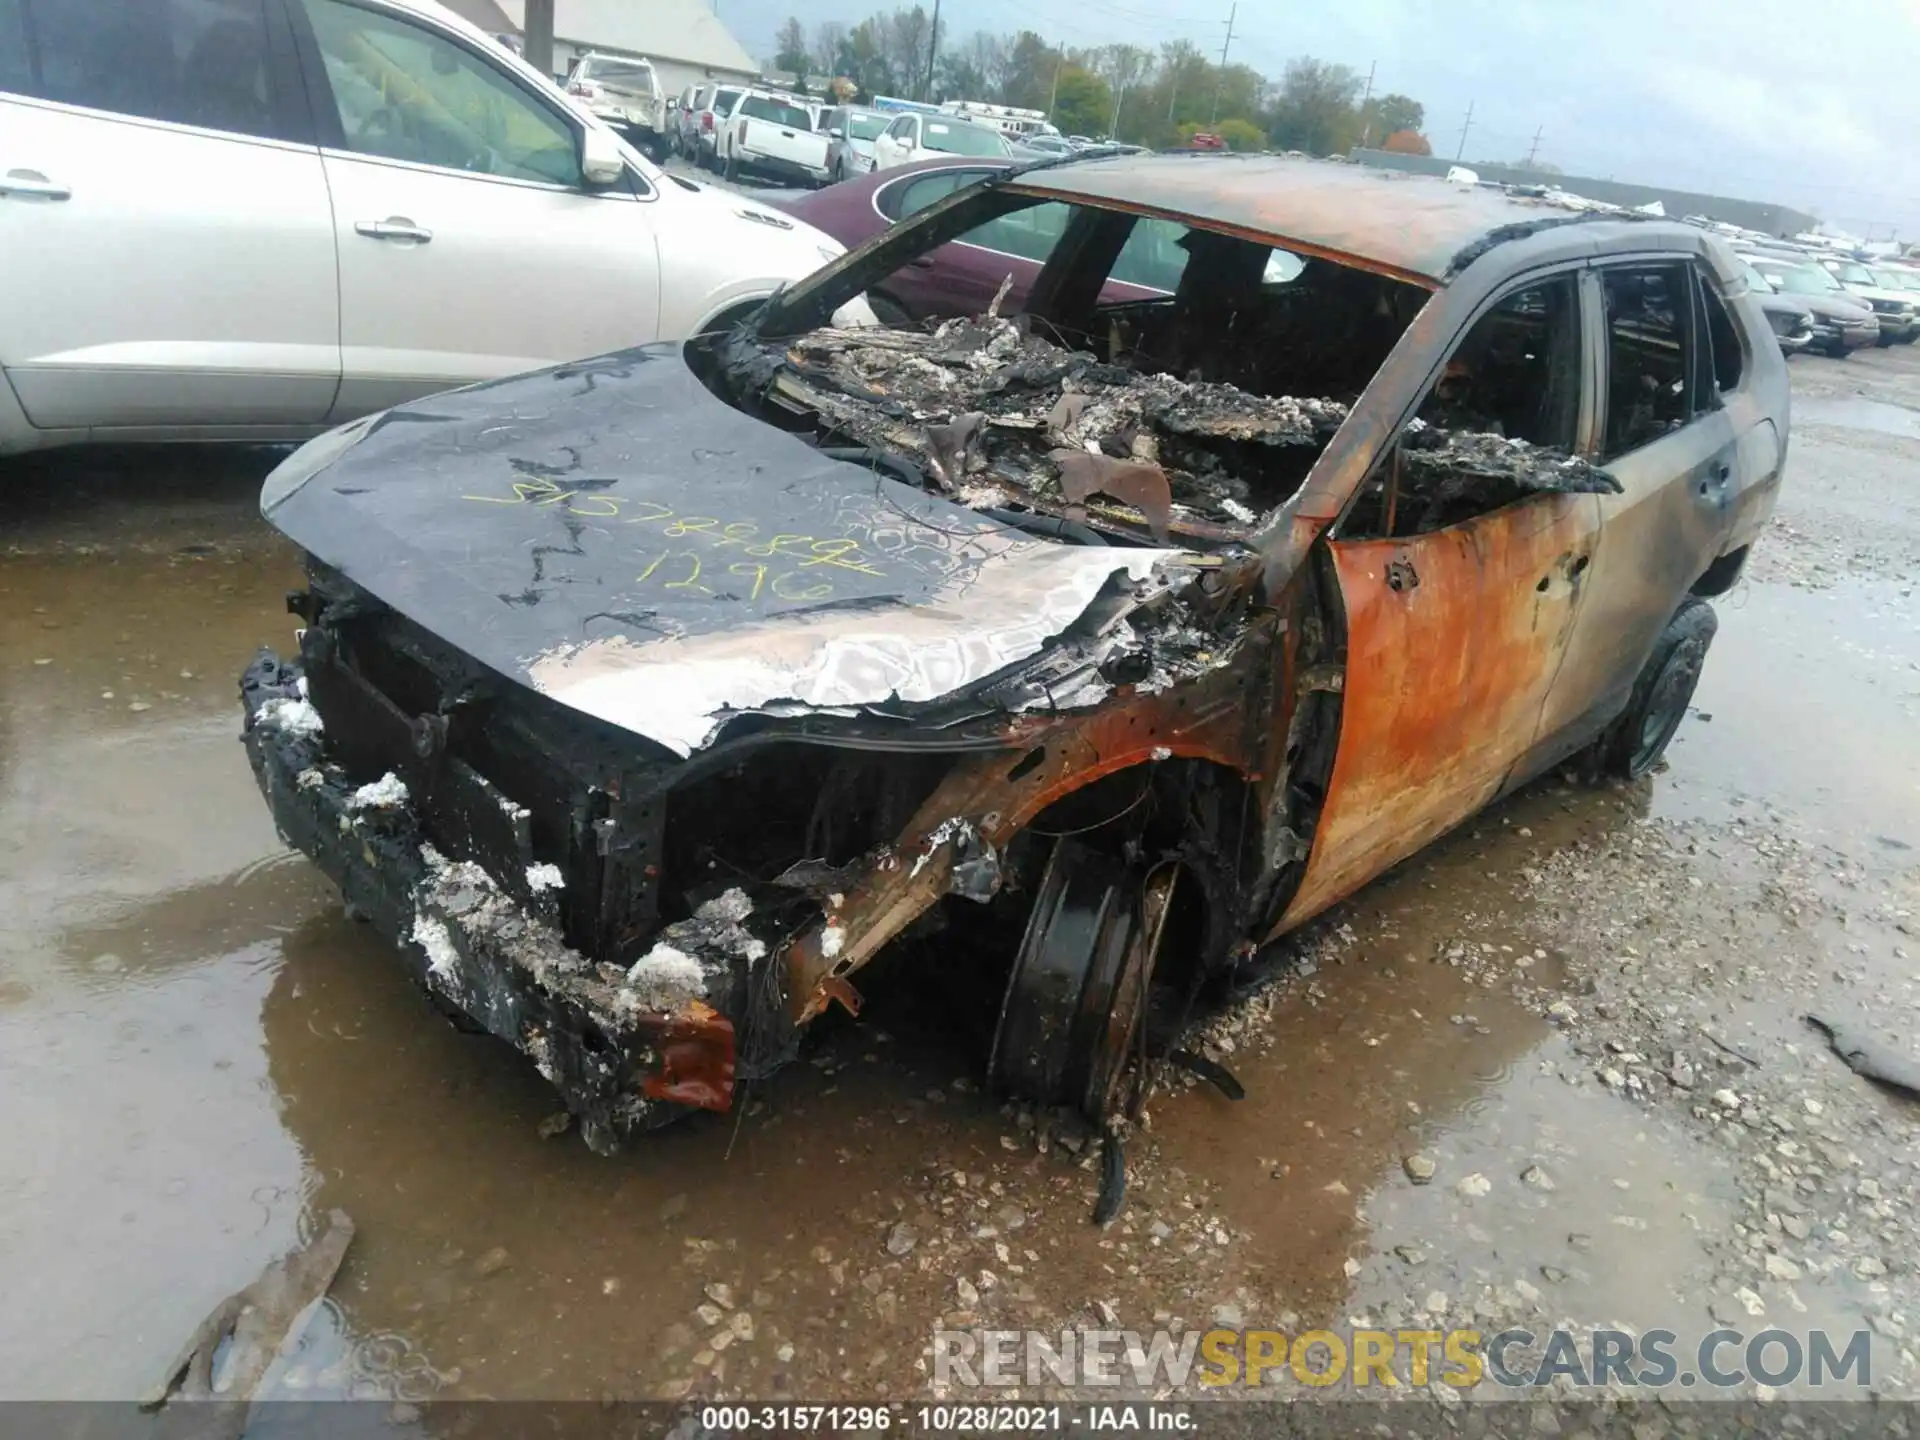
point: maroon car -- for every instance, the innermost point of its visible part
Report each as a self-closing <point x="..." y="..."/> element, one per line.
<point x="962" y="277"/>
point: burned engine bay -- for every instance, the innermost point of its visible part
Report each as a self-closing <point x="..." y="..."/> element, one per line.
<point x="1063" y="444"/>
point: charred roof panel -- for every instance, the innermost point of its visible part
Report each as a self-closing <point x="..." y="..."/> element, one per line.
<point x="1409" y="226"/>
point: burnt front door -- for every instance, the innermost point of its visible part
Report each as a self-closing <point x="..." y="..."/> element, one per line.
<point x="1459" y="599"/>
<point x="1454" y="639"/>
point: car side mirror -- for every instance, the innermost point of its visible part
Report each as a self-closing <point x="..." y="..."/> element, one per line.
<point x="601" y="162"/>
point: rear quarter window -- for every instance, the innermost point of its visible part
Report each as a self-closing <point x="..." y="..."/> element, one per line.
<point x="1722" y="336"/>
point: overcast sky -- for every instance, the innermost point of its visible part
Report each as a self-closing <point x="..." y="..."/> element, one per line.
<point x="1813" y="105"/>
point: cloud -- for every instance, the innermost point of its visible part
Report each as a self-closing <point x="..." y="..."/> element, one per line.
<point x="1765" y="99"/>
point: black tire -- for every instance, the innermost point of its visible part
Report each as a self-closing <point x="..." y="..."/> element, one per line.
<point x="732" y="171"/>
<point x="1634" y="743"/>
<point x="1884" y="341"/>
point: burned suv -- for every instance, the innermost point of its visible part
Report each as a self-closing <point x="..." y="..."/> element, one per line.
<point x="1080" y="652"/>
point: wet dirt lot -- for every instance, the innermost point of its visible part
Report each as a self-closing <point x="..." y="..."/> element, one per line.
<point x="1577" y="1022"/>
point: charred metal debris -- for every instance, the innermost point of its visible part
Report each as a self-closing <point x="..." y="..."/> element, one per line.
<point x="1064" y="444"/>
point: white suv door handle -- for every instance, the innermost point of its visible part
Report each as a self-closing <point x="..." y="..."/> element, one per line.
<point x="394" y="227"/>
<point x="32" y="185"/>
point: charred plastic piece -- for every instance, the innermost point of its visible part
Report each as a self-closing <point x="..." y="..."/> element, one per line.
<point x="1451" y="475"/>
<point x="1144" y="487"/>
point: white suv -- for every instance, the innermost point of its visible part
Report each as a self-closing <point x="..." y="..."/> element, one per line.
<point x="193" y="250"/>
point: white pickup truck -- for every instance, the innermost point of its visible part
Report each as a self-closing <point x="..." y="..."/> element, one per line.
<point x="624" y="92"/>
<point x="773" y="135"/>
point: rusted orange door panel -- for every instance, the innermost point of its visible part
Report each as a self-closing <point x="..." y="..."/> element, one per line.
<point x="1453" y="641"/>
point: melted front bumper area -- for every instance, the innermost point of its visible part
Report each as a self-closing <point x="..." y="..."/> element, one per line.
<point x="627" y="1050"/>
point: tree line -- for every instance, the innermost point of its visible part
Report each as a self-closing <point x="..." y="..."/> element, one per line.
<point x="1154" y="97"/>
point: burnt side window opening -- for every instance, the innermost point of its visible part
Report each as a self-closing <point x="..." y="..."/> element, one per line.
<point x="1500" y="422"/>
<point x="1143" y="380"/>
<point x="1722" y="359"/>
<point x="1648" y="308"/>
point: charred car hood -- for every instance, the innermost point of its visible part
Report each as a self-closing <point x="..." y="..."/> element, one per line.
<point x="612" y="534"/>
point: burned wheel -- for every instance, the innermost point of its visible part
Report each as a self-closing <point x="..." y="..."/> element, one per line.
<point x="1637" y="740"/>
<point x="1077" y="994"/>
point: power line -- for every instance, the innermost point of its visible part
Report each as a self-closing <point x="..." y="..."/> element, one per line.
<point x="1220" y="79"/>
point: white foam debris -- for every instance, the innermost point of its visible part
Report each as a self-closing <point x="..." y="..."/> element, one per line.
<point x="831" y="939"/>
<point x="310" y="778"/>
<point x="667" y="972"/>
<point x="545" y="876"/>
<point x="389" y="792"/>
<point x="978" y="495"/>
<point x="940" y="835"/>
<point x="301" y="686"/>
<point x="1238" y="511"/>
<point x="293" y="717"/>
<point x="729" y="907"/>
<point x="432" y="935"/>
<point x="541" y="1050"/>
<point x="1161" y="752"/>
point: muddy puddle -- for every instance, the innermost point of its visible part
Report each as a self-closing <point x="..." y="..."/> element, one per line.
<point x="1834" y="744"/>
<point x="201" y="1054"/>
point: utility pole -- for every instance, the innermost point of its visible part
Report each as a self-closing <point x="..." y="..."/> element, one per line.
<point x="1053" y="95"/>
<point x="933" y="50"/>
<point x="537" y="39"/>
<point x="1463" y="134"/>
<point x="1534" y="149"/>
<point x="1119" y="94"/>
<point x="1220" y="80"/>
<point x="1366" y="128"/>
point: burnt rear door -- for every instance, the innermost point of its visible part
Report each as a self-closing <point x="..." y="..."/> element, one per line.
<point x="1455" y="634"/>
<point x="1669" y="439"/>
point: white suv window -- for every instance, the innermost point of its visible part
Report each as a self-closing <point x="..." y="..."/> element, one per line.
<point x="16" y="66"/>
<point x="193" y="62"/>
<point x="405" y="93"/>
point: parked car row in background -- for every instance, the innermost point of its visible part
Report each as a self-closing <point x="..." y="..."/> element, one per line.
<point x="1848" y="303"/>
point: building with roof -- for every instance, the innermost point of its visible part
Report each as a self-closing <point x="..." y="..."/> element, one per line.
<point x="683" y="38"/>
<point x="1780" y="221"/>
